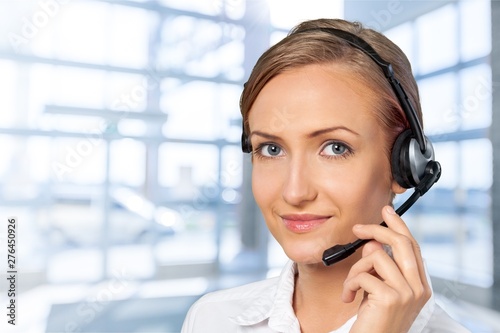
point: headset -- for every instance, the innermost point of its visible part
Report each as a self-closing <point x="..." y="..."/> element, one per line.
<point x="412" y="158"/>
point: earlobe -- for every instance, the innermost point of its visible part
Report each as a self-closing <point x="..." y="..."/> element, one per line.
<point x="396" y="188"/>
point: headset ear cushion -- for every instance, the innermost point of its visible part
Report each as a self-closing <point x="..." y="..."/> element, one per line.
<point x="246" y="146"/>
<point x="400" y="160"/>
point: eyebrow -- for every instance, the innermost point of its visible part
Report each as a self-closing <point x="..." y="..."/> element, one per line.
<point x="310" y="135"/>
<point x="331" y="129"/>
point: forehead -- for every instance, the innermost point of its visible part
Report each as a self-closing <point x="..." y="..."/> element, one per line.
<point x="314" y="96"/>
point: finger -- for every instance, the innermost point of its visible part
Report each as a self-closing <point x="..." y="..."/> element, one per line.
<point x="402" y="246"/>
<point x="379" y="264"/>
<point x="374" y="287"/>
<point x="396" y="223"/>
<point x="409" y="263"/>
<point x="396" y="233"/>
<point x="371" y="247"/>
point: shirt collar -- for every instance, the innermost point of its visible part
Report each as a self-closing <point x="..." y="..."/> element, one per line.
<point x="274" y="304"/>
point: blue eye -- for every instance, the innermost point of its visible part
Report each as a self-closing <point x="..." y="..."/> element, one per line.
<point x="336" y="149"/>
<point x="270" y="150"/>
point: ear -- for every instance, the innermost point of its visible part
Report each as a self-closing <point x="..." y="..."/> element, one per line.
<point x="396" y="188"/>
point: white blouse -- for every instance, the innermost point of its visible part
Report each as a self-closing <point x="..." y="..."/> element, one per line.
<point x="266" y="306"/>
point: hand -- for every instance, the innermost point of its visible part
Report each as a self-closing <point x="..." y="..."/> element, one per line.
<point x="396" y="288"/>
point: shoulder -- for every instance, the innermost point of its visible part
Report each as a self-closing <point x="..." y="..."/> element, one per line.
<point x="441" y="322"/>
<point x="216" y="309"/>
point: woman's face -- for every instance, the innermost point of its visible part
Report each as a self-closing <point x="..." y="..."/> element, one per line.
<point x="319" y="162"/>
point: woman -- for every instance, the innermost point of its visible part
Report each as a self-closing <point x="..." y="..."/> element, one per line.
<point x="321" y="119"/>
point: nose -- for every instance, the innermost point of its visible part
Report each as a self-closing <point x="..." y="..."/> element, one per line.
<point x="299" y="187"/>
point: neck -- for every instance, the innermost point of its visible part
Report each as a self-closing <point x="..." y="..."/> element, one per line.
<point x="317" y="298"/>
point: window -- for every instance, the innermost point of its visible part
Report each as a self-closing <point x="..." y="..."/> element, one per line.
<point x="454" y="77"/>
<point x="127" y="133"/>
<point x="437" y="30"/>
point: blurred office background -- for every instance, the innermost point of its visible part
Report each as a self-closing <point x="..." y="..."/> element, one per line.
<point x="119" y="136"/>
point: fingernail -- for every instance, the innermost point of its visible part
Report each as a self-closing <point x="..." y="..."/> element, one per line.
<point x="358" y="226"/>
<point x="390" y="210"/>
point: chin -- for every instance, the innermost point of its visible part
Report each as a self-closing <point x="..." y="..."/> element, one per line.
<point x="305" y="253"/>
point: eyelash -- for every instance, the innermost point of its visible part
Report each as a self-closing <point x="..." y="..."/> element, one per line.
<point x="258" y="151"/>
<point x="348" y="150"/>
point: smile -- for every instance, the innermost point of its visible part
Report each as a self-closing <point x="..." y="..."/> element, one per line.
<point x="304" y="222"/>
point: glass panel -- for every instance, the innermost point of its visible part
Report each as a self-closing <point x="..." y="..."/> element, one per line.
<point x="128" y="92"/>
<point x="477" y="266"/>
<point x="41" y="87"/>
<point x="231" y="174"/>
<point x="476" y="90"/>
<point x="231" y="171"/>
<point x="12" y="39"/>
<point x="80" y="161"/>
<point x="137" y="260"/>
<point x="128" y="43"/>
<point x="229" y="116"/>
<point x="179" y="48"/>
<point x="81" y="32"/>
<point x="132" y="127"/>
<point x="38" y="153"/>
<point x="195" y="244"/>
<point x="234" y="9"/>
<point x="438" y="95"/>
<point x="191" y="174"/>
<point x="65" y="266"/>
<point x="475" y="28"/>
<point x="127" y="162"/>
<point x="9" y="89"/>
<point x="286" y="14"/>
<point x="402" y="36"/>
<point x="229" y="60"/>
<point x="456" y="246"/>
<point x="437" y="39"/>
<point x="40" y="28"/>
<point x="94" y="126"/>
<point x="202" y="47"/>
<point x="447" y="154"/>
<point x="194" y="111"/>
<point x="78" y="87"/>
<point x="28" y="26"/>
<point x="276" y="36"/>
<point x="15" y="168"/>
<point x="196" y="6"/>
<point x="179" y="167"/>
<point x="9" y="146"/>
<point x="476" y="164"/>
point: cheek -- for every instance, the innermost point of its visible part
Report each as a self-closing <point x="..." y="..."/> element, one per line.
<point x="360" y="190"/>
<point x="375" y="189"/>
<point x="264" y="187"/>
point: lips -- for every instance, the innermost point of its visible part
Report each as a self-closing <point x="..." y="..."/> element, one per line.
<point x="302" y="223"/>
